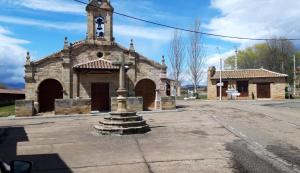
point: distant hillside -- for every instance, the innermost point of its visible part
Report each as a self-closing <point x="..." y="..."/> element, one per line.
<point x="190" y="87"/>
<point x="14" y="85"/>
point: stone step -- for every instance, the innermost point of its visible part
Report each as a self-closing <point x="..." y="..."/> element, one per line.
<point x="122" y="114"/>
<point x="123" y="124"/>
<point x="124" y="119"/>
<point x="108" y="130"/>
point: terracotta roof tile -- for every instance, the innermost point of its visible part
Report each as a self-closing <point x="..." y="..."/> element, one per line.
<point x="247" y="73"/>
<point x="99" y="64"/>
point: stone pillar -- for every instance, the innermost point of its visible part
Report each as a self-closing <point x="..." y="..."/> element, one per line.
<point x="30" y="83"/>
<point x="211" y="87"/>
<point x="122" y="105"/>
<point x="66" y="71"/>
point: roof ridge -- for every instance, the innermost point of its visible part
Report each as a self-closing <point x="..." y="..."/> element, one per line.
<point x="274" y="72"/>
<point x="91" y="61"/>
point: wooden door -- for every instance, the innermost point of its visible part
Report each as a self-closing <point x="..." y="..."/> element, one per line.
<point x="263" y="90"/>
<point x="100" y="96"/>
<point x="146" y="89"/>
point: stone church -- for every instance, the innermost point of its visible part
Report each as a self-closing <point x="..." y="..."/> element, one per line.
<point x="85" y="69"/>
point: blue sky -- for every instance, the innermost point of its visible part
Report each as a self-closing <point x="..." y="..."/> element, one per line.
<point x="41" y="25"/>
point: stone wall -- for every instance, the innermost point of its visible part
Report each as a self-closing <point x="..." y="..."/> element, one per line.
<point x="51" y="69"/>
<point x="24" y="108"/>
<point x="72" y="106"/>
<point x="134" y="104"/>
<point x="277" y="86"/>
<point x="168" y="103"/>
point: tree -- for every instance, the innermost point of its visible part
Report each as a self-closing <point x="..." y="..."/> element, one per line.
<point x="196" y="56"/>
<point x="275" y="55"/>
<point x="176" y="57"/>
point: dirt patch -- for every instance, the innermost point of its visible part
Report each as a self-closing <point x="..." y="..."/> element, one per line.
<point x="199" y="132"/>
<point x="287" y="152"/>
<point x="245" y="161"/>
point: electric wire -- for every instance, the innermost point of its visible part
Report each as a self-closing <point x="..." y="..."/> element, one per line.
<point x="188" y="30"/>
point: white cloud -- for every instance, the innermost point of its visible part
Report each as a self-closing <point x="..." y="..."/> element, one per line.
<point x="256" y="18"/>
<point x="61" y="6"/>
<point x="12" y="57"/>
<point x="151" y="33"/>
<point x="71" y="26"/>
<point x="133" y="31"/>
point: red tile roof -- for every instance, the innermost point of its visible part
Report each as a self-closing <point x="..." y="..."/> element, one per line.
<point x="99" y="64"/>
<point x="10" y="91"/>
<point x="247" y="73"/>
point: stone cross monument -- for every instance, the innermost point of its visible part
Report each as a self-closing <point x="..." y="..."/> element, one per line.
<point x="122" y="91"/>
<point x="122" y="122"/>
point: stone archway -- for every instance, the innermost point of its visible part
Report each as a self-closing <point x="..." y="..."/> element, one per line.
<point x="48" y="91"/>
<point x="146" y="88"/>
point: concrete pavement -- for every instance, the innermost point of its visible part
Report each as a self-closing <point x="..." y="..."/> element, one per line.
<point x="205" y="136"/>
<point x="188" y="141"/>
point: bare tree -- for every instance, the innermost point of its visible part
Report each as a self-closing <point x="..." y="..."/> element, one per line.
<point x="176" y="57"/>
<point x="196" y="56"/>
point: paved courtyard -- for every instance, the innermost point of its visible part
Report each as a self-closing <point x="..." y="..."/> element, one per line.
<point x="203" y="136"/>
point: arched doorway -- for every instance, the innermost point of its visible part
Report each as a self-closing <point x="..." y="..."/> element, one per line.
<point x="49" y="90"/>
<point x="146" y="88"/>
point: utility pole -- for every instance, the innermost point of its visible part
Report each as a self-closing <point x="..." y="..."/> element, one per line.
<point x="220" y="82"/>
<point x="294" y="75"/>
<point x="220" y="92"/>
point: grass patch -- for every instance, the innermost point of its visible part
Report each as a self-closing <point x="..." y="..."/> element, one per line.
<point x="6" y="111"/>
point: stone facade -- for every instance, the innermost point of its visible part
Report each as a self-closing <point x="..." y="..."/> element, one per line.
<point x="277" y="86"/>
<point x="134" y="104"/>
<point x="168" y="103"/>
<point x="24" y="108"/>
<point x="99" y="44"/>
<point x="72" y="106"/>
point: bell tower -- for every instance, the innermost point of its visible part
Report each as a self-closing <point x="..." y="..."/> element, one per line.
<point x="100" y="20"/>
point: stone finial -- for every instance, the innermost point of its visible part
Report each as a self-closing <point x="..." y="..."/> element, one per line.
<point x="66" y="43"/>
<point x="131" y="48"/>
<point x="27" y="58"/>
<point x="211" y="71"/>
<point x="163" y="61"/>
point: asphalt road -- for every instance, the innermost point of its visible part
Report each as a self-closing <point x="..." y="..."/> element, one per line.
<point x="272" y="129"/>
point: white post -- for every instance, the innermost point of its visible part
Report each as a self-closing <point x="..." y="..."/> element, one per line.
<point x="156" y="99"/>
<point x="294" y="75"/>
<point x="220" y="93"/>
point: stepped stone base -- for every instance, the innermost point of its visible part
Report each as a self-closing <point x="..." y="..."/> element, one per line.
<point x="122" y="124"/>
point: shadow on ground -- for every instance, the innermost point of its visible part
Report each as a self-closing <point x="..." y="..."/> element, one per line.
<point x="41" y="162"/>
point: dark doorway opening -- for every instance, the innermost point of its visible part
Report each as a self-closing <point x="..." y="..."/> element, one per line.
<point x="100" y="96"/>
<point x="242" y="87"/>
<point x="263" y="90"/>
<point x="168" y="89"/>
<point x="146" y="88"/>
<point x="48" y="91"/>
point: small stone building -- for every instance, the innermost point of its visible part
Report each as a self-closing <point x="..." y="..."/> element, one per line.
<point x="8" y="96"/>
<point x="250" y="83"/>
<point x="85" y="69"/>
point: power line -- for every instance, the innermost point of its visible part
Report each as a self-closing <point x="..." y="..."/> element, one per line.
<point x="188" y="30"/>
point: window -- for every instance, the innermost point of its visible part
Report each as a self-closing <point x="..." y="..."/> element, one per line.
<point x="99" y="54"/>
<point x="242" y="87"/>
